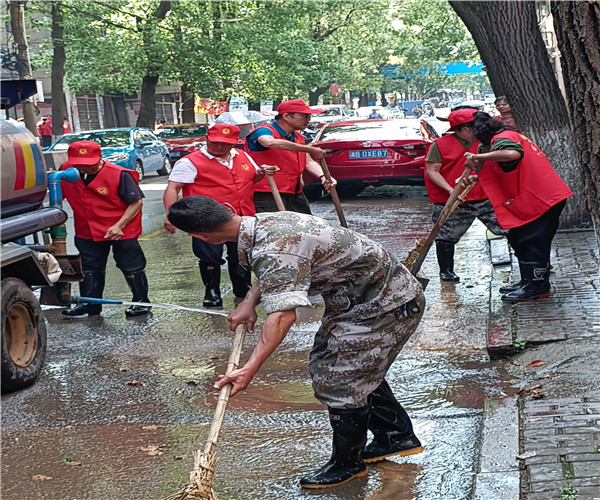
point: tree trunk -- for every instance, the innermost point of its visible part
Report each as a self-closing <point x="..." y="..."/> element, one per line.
<point x="577" y="30"/>
<point x="518" y="67"/>
<point x="313" y="95"/>
<point x="186" y="97"/>
<point x="154" y="63"/>
<point x="59" y="103"/>
<point x="18" y="30"/>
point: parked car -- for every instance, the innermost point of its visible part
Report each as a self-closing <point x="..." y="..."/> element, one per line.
<point x="360" y="153"/>
<point x="183" y="139"/>
<point x="134" y="148"/>
<point x="333" y="113"/>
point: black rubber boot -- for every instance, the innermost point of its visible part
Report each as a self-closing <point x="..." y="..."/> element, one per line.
<point x="510" y="288"/>
<point x="391" y="427"/>
<point x="349" y="438"/>
<point x="241" y="279"/>
<point x="211" y="277"/>
<point x="445" y="257"/>
<point x="91" y="286"/>
<point x="138" y="284"/>
<point x="534" y="283"/>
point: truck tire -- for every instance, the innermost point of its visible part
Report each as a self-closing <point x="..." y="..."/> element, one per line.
<point x="23" y="335"/>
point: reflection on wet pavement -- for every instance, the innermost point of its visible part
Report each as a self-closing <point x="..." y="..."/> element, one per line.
<point x="114" y="385"/>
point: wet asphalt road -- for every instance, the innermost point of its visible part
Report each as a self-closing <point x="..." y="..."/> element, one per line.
<point x="129" y="400"/>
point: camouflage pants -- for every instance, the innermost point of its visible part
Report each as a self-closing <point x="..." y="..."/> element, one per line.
<point x="350" y="358"/>
<point x="461" y="219"/>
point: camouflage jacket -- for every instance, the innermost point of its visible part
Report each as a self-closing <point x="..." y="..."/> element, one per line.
<point x="294" y="255"/>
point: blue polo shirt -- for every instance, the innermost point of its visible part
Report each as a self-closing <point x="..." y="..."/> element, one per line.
<point x="252" y="139"/>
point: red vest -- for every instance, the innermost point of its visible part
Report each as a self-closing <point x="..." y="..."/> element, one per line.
<point x="234" y="186"/>
<point x="291" y="163"/>
<point x="453" y="166"/>
<point x="97" y="206"/>
<point x="522" y="195"/>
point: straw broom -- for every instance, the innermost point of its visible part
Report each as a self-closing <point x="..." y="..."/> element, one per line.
<point x="417" y="255"/>
<point x="200" y="485"/>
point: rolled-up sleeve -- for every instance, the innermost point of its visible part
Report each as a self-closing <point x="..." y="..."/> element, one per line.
<point x="284" y="281"/>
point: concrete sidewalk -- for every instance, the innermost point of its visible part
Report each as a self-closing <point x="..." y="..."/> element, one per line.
<point x="558" y="374"/>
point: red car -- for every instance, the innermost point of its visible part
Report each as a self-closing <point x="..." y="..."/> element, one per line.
<point x="183" y="139"/>
<point x="360" y="153"/>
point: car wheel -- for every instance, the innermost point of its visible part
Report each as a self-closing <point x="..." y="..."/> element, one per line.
<point x="139" y="168"/>
<point x="166" y="170"/>
<point x="23" y="335"/>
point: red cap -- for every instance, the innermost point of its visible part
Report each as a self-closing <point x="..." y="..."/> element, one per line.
<point x="223" y="132"/>
<point x="461" y="116"/>
<point x="297" y="106"/>
<point x="84" y="153"/>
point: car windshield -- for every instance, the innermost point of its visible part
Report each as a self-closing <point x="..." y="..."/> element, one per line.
<point x="110" y="139"/>
<point x="174" y="132"/>
<point x="369" y="131"/>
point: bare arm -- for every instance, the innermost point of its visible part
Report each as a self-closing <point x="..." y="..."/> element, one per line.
<point x="274" y="331"/>
<point x="171" y="196"/>
<point x="313" y="168"/>
<point x="500" y="155"/>
<point x="115" y="232"/>
<point x="433" y="173"/>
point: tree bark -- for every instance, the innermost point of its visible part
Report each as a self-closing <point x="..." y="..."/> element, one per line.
<point x="313" y="95"/>
<point x="509" y="41"/>
<point x="155" y="61"/>
<point x="577" y="27"/>
<point x="17" y="26"/>
<point x="59" y="102"/>
<point x="186" y="97"/>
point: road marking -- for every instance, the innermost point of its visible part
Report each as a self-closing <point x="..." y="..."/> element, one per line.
<point x="152" y="235"/>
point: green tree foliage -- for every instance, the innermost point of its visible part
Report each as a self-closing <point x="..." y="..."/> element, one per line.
<point x="274" y="49"/>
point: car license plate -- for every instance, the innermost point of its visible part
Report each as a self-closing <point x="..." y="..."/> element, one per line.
<point x="368" y="153"/>
<point x="175" y="154"/>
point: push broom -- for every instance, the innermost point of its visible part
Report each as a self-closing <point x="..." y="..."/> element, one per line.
<point x="200" y="485"/>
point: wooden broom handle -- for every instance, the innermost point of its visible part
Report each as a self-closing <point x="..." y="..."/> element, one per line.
<point x="223" y="399"/>
<point x="276" y="195"/>
<point x="334" y="195"/>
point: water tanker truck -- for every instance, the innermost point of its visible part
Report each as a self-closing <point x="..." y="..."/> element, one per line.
<point x="35" y="265"/>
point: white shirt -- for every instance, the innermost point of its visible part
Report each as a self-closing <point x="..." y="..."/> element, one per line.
<point x="185" y="172"/>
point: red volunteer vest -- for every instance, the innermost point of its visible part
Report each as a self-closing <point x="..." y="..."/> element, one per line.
<point x="291" y="163"/>
<point x="453" y="166"/>
<point x="524" y="194"/>
<point x="234" y="186"/>
<point x="97" y="206"/>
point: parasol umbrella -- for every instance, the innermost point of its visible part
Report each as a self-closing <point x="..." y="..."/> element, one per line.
<point x="241" y="117"/>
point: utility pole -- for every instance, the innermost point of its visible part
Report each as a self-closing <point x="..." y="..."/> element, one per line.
<point x="17" y="23"/>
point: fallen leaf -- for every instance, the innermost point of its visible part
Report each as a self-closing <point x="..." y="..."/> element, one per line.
<point x="535" y="387"/>
<point x="61" y="419"/>
<point x="104" y="377"/>
<point x="73" y="463"/>
<point x="134" y="382"/>
<point x="524" y="392"/>
<point x="526" y="454"/>
<point x="203" y="423"/>
<point x="537" y="396"/>
<point x="555" y="378"/>
<point x="152" y="447"/>
<point x="152" y="427"/>
<point x="546" y="376"/>
<point x="40" y="477"/>
<point x="178" y="457"/>
<point x="69" y="426"/>
<point x="590" y="282"/>
<point x="533" y="419"/>
<point x="154" y="453"/>
<point x="537" y="362"/>
<point x="121" y="417"/>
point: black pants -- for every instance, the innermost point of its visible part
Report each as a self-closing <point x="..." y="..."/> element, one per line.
<point x="46" y="141"/>
<point x="532" y="241"/>
<point x="264" y="202"/>
<point x="213" y="254"/>
<point x="128" y="255"/>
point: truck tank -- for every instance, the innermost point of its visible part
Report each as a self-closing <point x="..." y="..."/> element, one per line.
<point x="24" y="181"/>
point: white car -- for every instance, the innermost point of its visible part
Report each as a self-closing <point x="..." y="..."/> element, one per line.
<point x="364" y="111"/>
<point x="333" y="113"/>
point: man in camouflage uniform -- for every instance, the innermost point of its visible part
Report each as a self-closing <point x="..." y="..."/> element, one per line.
<point x="445" y="163"/>
<point x="372" y="306"/>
